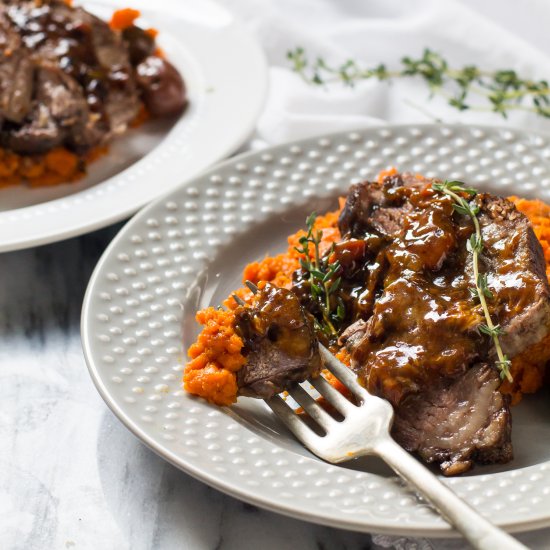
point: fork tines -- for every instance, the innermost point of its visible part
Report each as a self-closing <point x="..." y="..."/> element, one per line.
<point x="311" y="406"/>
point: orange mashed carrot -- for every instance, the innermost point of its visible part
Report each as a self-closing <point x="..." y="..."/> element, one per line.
<point x="383" y="174"/>
<point x="57" y="166"/>
<point x="124" y="18"/>
<point x="216" y="355"/>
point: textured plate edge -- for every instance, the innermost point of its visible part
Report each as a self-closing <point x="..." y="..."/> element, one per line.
<point x="383" y="527"/>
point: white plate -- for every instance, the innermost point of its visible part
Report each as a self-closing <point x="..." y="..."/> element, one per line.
<point x="226" y="75"/>
<point x="188" y="250"/>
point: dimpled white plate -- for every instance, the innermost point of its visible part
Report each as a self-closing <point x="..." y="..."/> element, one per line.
<point x="187" y="251"/>
<point x="226" y="77"/>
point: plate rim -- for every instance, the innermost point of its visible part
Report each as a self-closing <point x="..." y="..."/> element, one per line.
<point x="21" y="240"/>
<point x="535" y="521"/>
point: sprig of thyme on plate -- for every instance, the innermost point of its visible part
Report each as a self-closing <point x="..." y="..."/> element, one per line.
<point x="323" y="278"/>
<point x="502" y="91"/>
<point x="480" y="292"/>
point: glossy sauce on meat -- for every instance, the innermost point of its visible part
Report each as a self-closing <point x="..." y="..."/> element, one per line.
<point x="422" y="323"/>
<point x="64" y="36"/>
<point x="280" y="345"/>
<point x="68" y="79"/>
<point x="413" y="327"/>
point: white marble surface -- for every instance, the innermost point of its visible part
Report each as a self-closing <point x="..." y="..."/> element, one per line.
<point x="71" y="476"/>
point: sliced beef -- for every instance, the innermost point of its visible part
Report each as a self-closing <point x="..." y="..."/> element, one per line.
<point x="378" y="207"/>
<point x="108" y="47"/>
<point x="458" y="422"/>
<point x="515" y="262"/>
<point x="66" y="78"/>
<point x="16" y="85"/>
<point x="121" y="102"/>
<point x="362" y="200"/>
<point x="62" y="95"/>
<point x="421" y="339"/>
<point x="16" y="73"/>
<point x="39" y="135"/>
<point x="58" y="108"/>
<point x="279" y="344"/>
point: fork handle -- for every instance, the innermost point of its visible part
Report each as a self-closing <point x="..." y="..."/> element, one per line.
<point x="480" y="532"/>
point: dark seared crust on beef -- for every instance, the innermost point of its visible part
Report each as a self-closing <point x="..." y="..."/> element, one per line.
<point x="369" y="208"/>
<point x="361" y="200"/>
<point x="16" y="83"/>
<point x="460" y="422"/>
<point x="279" y="344"/>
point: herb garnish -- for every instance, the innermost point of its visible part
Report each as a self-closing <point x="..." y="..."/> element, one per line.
<point x="481" y="292"/>
<point x="322" y="277"/>
<point x="502" y="91"/>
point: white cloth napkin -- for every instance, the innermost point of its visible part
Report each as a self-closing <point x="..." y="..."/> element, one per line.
<point x="492" y="34"/>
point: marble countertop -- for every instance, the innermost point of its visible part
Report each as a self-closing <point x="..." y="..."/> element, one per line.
<point x="71" y="476"/>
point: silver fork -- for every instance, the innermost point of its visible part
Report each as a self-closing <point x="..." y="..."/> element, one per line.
<point x="365" y="430"/>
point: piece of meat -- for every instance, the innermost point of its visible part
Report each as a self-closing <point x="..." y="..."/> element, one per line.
<point x="10" y="41"/>
<point x="39" y="135"/>
<point x="67" y="79"/>
<point x="108" y="46"/>
<point x="516" y="266"/>
<point x="121" y="102"/>
<point x="58" y="108"/>
<point x="361" y="201"/>
<point x="464" y="420"/>
<point x="140" y="44"/>
<point x="100" y="83"/>
<point x="280" y="345"/>
<point x="16" y="85"/>
<point x="422" y="337"/>
<point x="16" y="72"/>
<point x="162" y="87"/>
<point x="377" y="207"/>
<point x="62" y="95"/>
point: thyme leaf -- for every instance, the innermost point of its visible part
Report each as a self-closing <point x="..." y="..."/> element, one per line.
<point x="481" y="292"/>
<point x="323" y="279"/>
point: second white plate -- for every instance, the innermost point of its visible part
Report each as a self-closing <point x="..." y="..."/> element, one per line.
<point x="226" y="76"/>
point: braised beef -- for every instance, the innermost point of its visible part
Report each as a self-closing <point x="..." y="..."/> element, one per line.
<point x="516" y="268"/>
<point x="39" y="135"/>
<point x="66" y="78"/>
<point x="457" y="422"/>
<point x="16" y="80"/>
<point x="58" y="106"/>
<point x="419" y="346"/>
<point x="162" y="87"/>
<point x="139" y="43"/>
<point x="279" y="343"/>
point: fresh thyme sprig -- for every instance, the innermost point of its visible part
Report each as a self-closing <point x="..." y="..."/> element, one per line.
<point x="323" y="278"/>
<point x="481" y="292"/>
<point x="502" y="91"/>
